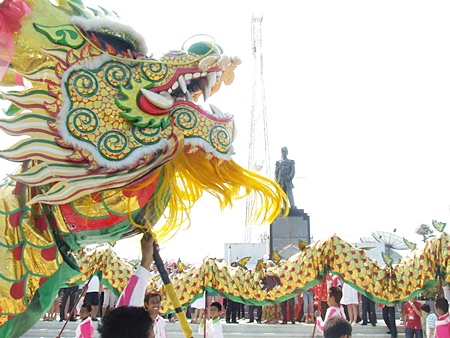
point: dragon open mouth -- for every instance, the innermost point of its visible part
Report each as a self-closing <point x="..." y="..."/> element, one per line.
<point x="188" y="87"/>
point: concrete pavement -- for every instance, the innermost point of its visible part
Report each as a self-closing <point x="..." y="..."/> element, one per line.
<point x="242" y="330"/>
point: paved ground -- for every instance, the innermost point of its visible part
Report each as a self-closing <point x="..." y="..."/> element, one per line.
<point x="242" y="330"/>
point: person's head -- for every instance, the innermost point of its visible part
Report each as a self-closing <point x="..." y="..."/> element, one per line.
<point x="334" y="296"/>
<point x="425" y="308"/>
<point x="126" y="321"/>
<point x="154" y="267"/>
<point x="85" y="311"/>
<point x="337" y="327"/>
<point x="270" y="264"/>
<point x="152" y="302"/>
<point x="441" y="306"/>
<point x="215" y="309"/>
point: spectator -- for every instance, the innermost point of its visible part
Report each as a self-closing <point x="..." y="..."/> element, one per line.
<point x="109" y="301"/>
<point x="231" y="306"/>
<point x="308" y="305"/>
<point x="55" y="308"/>
<point x="334" y="307"/>
<point x="251" y="314"/>
<point x="350" y="299"/>
<point x="443" y="322"/>
<point x="337" y="327"/>
<point x="430" y="320"/>
<point x="68" y="303"/>
<point x="155" y="277"/>
<point x="92" y="295"/>
<point x="231" y="311"/>
<point x="240" y="314"/>
<point x="389" y="319"/>
<point x="368" y="311"/>
<point x="199" y="308"/>
<point x="412" y="319"/>
<point x="284" y="306"/>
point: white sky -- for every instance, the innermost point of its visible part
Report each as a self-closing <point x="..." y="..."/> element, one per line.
<point x="359" y="93"/>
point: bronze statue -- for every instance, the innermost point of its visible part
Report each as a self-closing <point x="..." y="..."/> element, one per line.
<point x="284" y="174"/>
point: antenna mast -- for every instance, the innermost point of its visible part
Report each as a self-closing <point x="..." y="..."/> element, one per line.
<point x="258" y="159"/>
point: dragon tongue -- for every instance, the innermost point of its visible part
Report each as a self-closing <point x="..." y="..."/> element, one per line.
<point x="160" y="101"/>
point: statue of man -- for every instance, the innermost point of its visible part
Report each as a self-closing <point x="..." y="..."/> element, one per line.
<point x="284" y="173"/>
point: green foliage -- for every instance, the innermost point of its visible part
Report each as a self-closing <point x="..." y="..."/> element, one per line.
<point x="425" y="231"/>
<point x="430" y="294"/>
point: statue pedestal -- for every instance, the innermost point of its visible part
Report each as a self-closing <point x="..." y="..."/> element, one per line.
<point x="285" y="233"/>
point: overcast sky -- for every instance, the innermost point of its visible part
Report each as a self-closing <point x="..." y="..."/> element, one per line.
<point x="359" y="93"/>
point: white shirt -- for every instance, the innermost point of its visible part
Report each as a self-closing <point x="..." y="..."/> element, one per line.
<point x="213" y="328"/>
<point x="159" y="327"/>
<point x="94" y="284"/>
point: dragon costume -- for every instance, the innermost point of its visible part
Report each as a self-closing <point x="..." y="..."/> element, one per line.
<point x="112" y="141"/>
<point x="415" y="273"/>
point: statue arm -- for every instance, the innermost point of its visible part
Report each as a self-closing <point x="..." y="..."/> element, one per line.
<point x="292" y="171"/>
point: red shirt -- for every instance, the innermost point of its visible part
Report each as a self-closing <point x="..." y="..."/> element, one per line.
<point x="320" y="294"/>
<point x="412" y="319"/>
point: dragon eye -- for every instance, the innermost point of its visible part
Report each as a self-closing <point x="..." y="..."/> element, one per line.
<point x="113" y="43"/>
<point x="202" y="44"/>
<point x="204" y="48"/>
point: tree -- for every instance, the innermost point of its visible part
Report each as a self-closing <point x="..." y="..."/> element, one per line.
<point x="425" y="231"/>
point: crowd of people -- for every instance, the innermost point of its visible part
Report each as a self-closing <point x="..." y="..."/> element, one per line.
<point x="334" y="307"/>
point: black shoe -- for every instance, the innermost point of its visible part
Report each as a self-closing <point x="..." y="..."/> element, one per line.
<point x="72" y="320"/>
<point x="284" y="322"/>
<point x="61" y="320"/>
<point x="363" y="323"/>
<point x="389" y="332"/>
<point x="234" y="322"/>
<point x="293" y="322"/>
<point x="259" y="322"/>
<point x="373" y="324"/>
<point x="228" y="322"/>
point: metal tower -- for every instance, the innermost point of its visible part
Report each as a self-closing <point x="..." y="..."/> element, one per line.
<point x="258" y="159"/>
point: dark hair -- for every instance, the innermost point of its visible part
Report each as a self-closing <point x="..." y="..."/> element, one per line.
<point x="425" y="307"/>
<point x="126" y="321"/>
<point x="217" y="305"/>
<point x="441" y="303"/>
<point x="336" y="327"/>
<point x="336" y="292"/>
<point x="88" y="306"/>
<point x="151" y="294"/>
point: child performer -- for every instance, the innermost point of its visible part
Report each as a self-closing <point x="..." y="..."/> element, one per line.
<point x="213" y="325"/>
<point x="85" y="329"/>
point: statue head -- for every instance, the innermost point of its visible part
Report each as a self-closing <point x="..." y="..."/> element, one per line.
<point x="284" y="151"/>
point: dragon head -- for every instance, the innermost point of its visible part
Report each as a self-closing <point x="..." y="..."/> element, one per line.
<point x="109" y="125"/>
